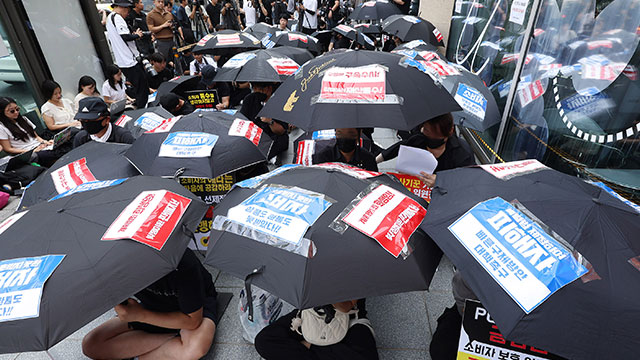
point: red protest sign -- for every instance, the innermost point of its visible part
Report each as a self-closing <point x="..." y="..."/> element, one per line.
<point x="72" y="175"/>
<point x="415" y="185"/>
<point x="246" y="129"/>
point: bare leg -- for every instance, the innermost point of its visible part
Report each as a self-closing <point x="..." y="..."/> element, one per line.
<point x="114" y="340"/>
<point x="190" y="345"/>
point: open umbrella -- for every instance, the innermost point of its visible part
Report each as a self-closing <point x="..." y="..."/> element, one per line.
<point x="140" y="120"/>
<point x="408" y="27"/>
<point x="281" y="227"/>
<point x="178" y="85"/>
<point x="524" y="277"/>
<point x="88" y="276"/>
<point x="369" y="29"/>
<point x="226" y="42"/>
<point x="90" y="162"/>
<point x="358" y="89"/>
<point x="257" y="66"/>
<point x="201" y="144"/>
<point x="295" y="39"/>
<point x="375" y="10"/>
<point x="355" y="35"/>
<point x="298" y="55"/>
<point x="259" y="30"/>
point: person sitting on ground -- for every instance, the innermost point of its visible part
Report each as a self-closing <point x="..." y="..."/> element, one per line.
<point x="347" y="150"/>
<point x="283" y="23"/>
<point x="114" y="89"/>
<point x="437" y="136"/>
<point x="96" y="124"/>
<point x="208" y="83"/>
<point x="57" y="112"/>
<point x="278" y="341"/>
<point x="176" y="105"/>
<point x="199" y="62"/>
<point x="86" y="88"/>
<point x="175" y="318"/>
<point x="163" y="73"/>
<point x="276" y="129"/>
<point x="17" y="135"/>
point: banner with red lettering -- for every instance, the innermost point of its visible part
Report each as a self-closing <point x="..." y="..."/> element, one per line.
<point x="415" y="185"/>
<point x="506" y="171"/>
<point x="359" y="84"/>
<point x="72" y="175"/>
<point x="246" y="129"/>
<point x="149" y="219"/>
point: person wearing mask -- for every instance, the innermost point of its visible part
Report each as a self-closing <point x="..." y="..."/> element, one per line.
<point x="276" y="129"/>
<point x="176" y="105"/>
<point x="163" y="73"/>
<point x="96" y="124"/>
<point x="114" y="89"/>
<point x="207" y="82"/>
<point x="137" y="19"/>
<point x="347" y="150"/>
<point x="184" y="23"/>
<point x="125" y="51"/>
<point x="309" y="12"/>
<point x="57" y="112"/>
<point x="213" y="10"/>
<point x="86" y="87"/>
<point x="438" y="137"/>
<point x="199" y="62"/>
<point x="159" y="21"/>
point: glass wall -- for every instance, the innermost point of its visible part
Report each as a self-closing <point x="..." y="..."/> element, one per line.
<point x="12" y="80"/>
<point x="577" y="102"/>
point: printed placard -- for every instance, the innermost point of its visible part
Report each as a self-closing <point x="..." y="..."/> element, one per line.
<point x="283" y="66"/>
<point x="188" y="145"/>
<point x="88" y="186"/>
<point x="324" y="134"/>
<point x="123" y="120"/>
<point x="149" y="219"/>
<point x="349" y="170"/>
<point x="72" y="175"/>
<point x="165" y="126"/>
<point x="530" y="92"/>
<point x="388" y="216"/>
<point x="257" y="180"/>
<point x="239" y="60"/>
<point x="149" y="120"/>
<point x="228" y="39"/>
<point x="511" y="169"/>
<point x="21" y="284"/>
<point x="441" y="68"/>
<point x="520" y="256"/>
<point x="471" y="100"/>
<point x="297" y="37"/>
<point x="306" y="149"/>
<point x="414" y="184"/>
<point x="246" y="129"/>
<point x="363" y="83"/>
<point x="6" y="223"/>
<point x="437" y="34"/>
<point x="204" y="40"/>
<point x="203" y="99"/>
<point x="518" y="11"/>
<point x="481" y="339"/>
<point x="283" y="213"/>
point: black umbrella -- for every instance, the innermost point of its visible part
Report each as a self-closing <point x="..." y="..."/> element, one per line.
<point x="95" y="275"/>
<point x="90" y="162"/>
<point x="358" y="89"/>
<point x="373" y="29"/>
<point x="259" y="30"/>
<point x="178" y="85"/>
<point x="323" y="36"/>
<point x="141" y="120"/>
<point x="298" y="55"/>
<point x="375" y="10"/>
<point x="355" y="35"/>
<point x="408" y="27"/>
<point x="417" y="45"/>
<point x="226" y="42"/>
<point x="257" y="66"/>
<point x="201" y="144"/>
<point x="325" y="266"/>
<point x="296" y="39"/>
<point x="593" y="317"/>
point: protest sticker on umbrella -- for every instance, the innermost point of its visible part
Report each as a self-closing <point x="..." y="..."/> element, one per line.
<point x="149" y="219"/>
<point x="299" y="37"/>
<point x="72" y="175"/>
<point x="388" y="216"/>
<point x="506" y="171"/>
<point x="165" y="126"/>
<point x="4" y="225"/>
<point x="530" y="92"/>
<point x="364" y="84"/>
<point x="529" y="264"/>
<point x="204" y="40"/>
<point x="21" y="283"/>
<point x="188" y="145"/>
<point x="471" y="100"/>
<point x="247" y="129"/>
<point x="306" y="149"/>
<point x="88" y="186"/>
<point x="228" y="39"/>
<point x="149" y="120"/>
<point x="239" y="60"/>
<point x="283" y="66"/>
<point x="123" y="120"/>
<point x="414" y="184"/>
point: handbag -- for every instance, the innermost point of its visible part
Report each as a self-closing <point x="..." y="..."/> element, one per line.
<point x="322" y="326"/>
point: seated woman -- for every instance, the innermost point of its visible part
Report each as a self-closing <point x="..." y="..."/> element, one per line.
<point x="114" y="89"/>
<point x="17" y="135"/>
<point x="86" y="88"/>
<point x="57" y="112"/>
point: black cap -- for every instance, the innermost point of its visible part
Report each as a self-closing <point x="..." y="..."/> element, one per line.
<point x="169" y="101"/>
<point x="91" y="108"/>
<point x="208" y="73"/>
<point x="122" y="3"/>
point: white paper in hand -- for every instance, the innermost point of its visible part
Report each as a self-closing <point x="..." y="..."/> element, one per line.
<point x="413" y="160"/>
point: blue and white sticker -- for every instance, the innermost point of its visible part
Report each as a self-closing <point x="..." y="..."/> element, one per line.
<point x="521" y="257"/>
<point x="503" y="89"/>
<point x="471" y="100"/>
<point x="324" y="134"/>
<point x="188" y="145"/>
<point x="257" y="180"/>
<point x="406" y="52"/>
<point x="21" y="283"/>
<point x="266" y="41"/>
<point x="88" y="186"/>
<point x="412" y="19"/>
<point x="239" y="60"/>
<point x="149" y="121"/>
<point x="282" y="213"/>
<point x="631" y="204"/>
<point x="414" y="44"/>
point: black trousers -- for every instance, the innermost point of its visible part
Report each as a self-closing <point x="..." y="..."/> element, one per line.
<point x="135" y="75"/>
<point x="278" y="341"/>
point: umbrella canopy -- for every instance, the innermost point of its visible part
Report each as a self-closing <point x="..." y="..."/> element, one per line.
<point x="408" y="27"/>
<point x="295" y="39"/>
<point x="259" y="30"/>
<point x="257" y="66"/>
<point x="141" y="120"/>
<point x="593" y="317"/>
<point x="355" y="35"/>
<point x="375" y="10"/>
<point x="300" y="56"/>
<point x="329" y="266"/>
<point x="358" y="89"/>
<point x="373" y="29"/>
<point x="178" y="85"/>
<point x="90" y="162"/>
<point x="226" y="42"/>
<point x="201" y="144"/>
<point x="323" y="36"/>
<point x="94" y="274"/>
<point x="417" y="45"/>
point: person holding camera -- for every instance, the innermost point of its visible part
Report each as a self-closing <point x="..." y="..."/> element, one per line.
<point x="160" y="23"/>
<point x="125" y="51"/>
<point x="137" y="19"/>
<point x="159" y="72"/>
<point x="334" y="14"/>
<point x="230" y="16"/>
<point x="279" y="10"/>
<point x="309" y="13"/>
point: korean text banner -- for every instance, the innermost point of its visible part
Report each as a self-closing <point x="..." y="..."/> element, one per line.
<point x="188" y="145"/>
<point x="72" y="175"/>
<point x="21" y="283"/>
<point x="521" y="257"/>
<point x="282" y="213"/>
<point x="88" y="186"/>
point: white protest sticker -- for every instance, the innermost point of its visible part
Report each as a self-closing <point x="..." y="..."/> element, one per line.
<point x="518" y="11"/>
<point x="428" y="55"/>
<point x="149" y="120"/>
<point x="599" y="72"/>
<point x="512" y="169"/>
<point x="283" y="66"/>
<point x="388" y="216"/>
<point x="149" y="219"/>
<point x="247" y="129"/>
<point x="530" y="92"/>
<point x="437" y="34"/>
<point x="306" y="149"/>
<point x="21" y="284"/>
<point x="187" y="145"/>
<point x="345" y="28"/>
<point x="297" y="37"/>
<point x="123" y="120"/>
<point x="228" y="39"/>
<point x="471" y="100"/>
<point x="204" y="40"/>
<point x="6" y="223"/>
<point x="414" y="44"/>
<point x="72" y="175"/>
<point x="441" y="68"/>
<point x="239" y="60"/>
<point x="165" y="126"/>
<point x="458" y="7"/>
<point x="411" y="19"/>
<point x="360" y="84"/>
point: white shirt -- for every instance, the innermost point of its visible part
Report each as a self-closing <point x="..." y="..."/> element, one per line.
<point x="5" y="134"/>
<point x="249" y="13"/>
<point x="116" y="94"/>
<point x="310" y="21"/>
<point x="124" y="53"/>
<point x="206" y="60"/>
<point x="104" y="137"/>
<point x="79" y="97"/>
<point x="60" y="115"/>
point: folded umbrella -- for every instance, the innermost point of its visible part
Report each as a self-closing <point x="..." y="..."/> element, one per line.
<point x="61" y="240"/>
<point x="140" y="120"/>
<point x="375" y="10"/>
<point x="257" y="66"/>
<point x="408" y="28"/>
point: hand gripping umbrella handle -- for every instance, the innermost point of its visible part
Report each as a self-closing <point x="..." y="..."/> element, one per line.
<point x="247" y="289"/>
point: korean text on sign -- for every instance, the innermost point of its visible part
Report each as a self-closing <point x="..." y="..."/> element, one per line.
<point x="364" y="83"/>
<point x="71" y="175"/>
<point x="188" y="145"/>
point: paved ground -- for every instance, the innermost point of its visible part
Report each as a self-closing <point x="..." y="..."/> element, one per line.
<point x="403" y="322"/>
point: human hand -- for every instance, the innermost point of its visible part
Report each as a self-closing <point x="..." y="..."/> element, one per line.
<point x="220" y="106"/>
<point x="428" y="179"/>
<point x="166" y="24"/>
<point x="138" y="32"/>
<point x="75" y="123"/>
<point x="132" y="311"/>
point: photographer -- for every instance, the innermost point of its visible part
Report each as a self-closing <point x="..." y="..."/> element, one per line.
<point x="125" y="51"/>
<point x="278" y="10"/>
<point x="334" y="14"/>
<point x="230" y="16"/>
<point x="160" y="23"/>
<point x="137" y="19"/>
<point x="309" y="16"/>
<point x="184" y="24"/>
<point x="264" y="10"/>
<point x="159" y="72"/>
<point x="213" y="9"/>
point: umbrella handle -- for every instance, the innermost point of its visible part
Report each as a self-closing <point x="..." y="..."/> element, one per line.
<point x="247" y="289"/>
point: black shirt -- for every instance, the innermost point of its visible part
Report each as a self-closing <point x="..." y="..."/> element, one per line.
<point x="162" y="76"/>
<point x="341" y="43"/>
<point x="118" y="135"/>
<point x="222" y="88"/>
<point x="214" y="13"/>
<point x="456" y="154"/>
<point x="186" y="109"/>
<point x="361" y="158"/>
<point x="251" y="106"/>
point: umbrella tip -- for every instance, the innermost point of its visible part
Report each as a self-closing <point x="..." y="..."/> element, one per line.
<point x="60" y="210"/>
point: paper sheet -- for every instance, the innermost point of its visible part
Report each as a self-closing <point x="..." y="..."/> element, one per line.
<point x="413" y="160"/>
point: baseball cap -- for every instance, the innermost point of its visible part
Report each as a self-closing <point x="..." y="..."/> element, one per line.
<point x="208" y="73"/>
<point x="91" y="108"/>
<point x="122" y="3"/>
<point x="169" y="101"/>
